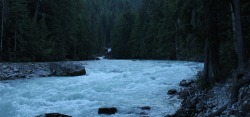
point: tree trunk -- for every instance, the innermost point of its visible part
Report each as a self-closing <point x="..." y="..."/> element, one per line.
<point x="174" y="55"/>
<point x="15" y="45"/>
<point x="211" y="68"/>
<point x="2" y="25"/>
<point x="174" y="43"/>
<point x="240" y="46"/>
<point x="242" y="78"/>
<point x="75" y="50"/>
<point x="37" y="10"/>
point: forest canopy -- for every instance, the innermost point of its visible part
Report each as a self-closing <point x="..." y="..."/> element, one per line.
<point x="52" y="30"/>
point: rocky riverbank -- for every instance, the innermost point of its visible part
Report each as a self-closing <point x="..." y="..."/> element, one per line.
<point x="12" y="71"/>
<point x="204" y="103"/>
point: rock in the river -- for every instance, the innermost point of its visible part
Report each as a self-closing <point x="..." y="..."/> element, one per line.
<point x="97" y="58"/>
<point x="53" y="115"/>
<point x="172" y="91"/>
<point x="107" y="111"/>
<point x="144" y="114"/>
<point x="67" y="69"/>
<point x="145" y="108"/>
<point x="186" y="83"/>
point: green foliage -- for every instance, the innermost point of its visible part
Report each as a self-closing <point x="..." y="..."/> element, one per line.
<point x="49" y="30"/>
<point x="121" y="36"/>
<point x="166" y="29"/>
<point x="142" y="29"/>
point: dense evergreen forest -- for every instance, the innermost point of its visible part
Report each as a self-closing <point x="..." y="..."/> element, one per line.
<point x="49" y="30"/>
<point x="52" y="30"/>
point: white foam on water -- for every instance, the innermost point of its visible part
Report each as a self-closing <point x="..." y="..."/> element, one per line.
<point x="124" y="84"/>
<point x="109" y="49"/>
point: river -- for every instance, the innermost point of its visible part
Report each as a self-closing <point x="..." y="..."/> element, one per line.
<point x="124" y="84"/>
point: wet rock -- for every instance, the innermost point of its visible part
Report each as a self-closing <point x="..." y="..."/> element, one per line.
<point x="20" y="76"/>
<point x="59" y="69"/>
<point x="143" y="114"/>
<point x="186" y="83"/>
<point x="172" y="91"/>
<point x="183" y="94"/>
<point x="16" y="70"/>
<point x="242" y="107"/>
<point x="108" y="55"/>
<point x="1" y="78"/>
<point x="12" y="71"/>
<point x="189" y="106"/>
<point x="107" y="111"/>
<point x="53" y="115"/>
<point x="146" y="108"/>
<point x="29" y="71"/>
<point x="201" y="107"/>
<point x="42" y="75"/>
<point x="169" y="116"/>
<point x="200" y="103"/>
<point x="4" y="66"/>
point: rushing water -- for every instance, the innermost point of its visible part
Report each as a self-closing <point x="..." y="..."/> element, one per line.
<point x="124" y="84"/>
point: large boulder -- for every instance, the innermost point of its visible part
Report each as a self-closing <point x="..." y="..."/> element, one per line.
<point x="67" y="69"/>
<point x="53" y="115"/>
<point x="172" y="91"/>
<point x="107" y="111"/>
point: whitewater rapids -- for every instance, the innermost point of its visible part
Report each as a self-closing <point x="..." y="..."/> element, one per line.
<point x="124" y="84"/>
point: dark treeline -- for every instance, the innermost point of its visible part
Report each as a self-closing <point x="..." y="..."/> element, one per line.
<point x="49" y="30"/>
<point x="160" y="29"/>
<point x="215" y="31"/>
<point x="174" y="29"/>
<point x="185" y="29"/>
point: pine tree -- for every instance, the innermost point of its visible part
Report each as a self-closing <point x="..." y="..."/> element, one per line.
<point x="121" y="38"/>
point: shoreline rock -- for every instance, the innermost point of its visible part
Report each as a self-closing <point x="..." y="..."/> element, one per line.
<point x="67" y="69"/>
<point x="12" y="71"/>
<point x="172" y="91"/>
<point x="186" y="83"/>
<point x="202" y="103"/>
